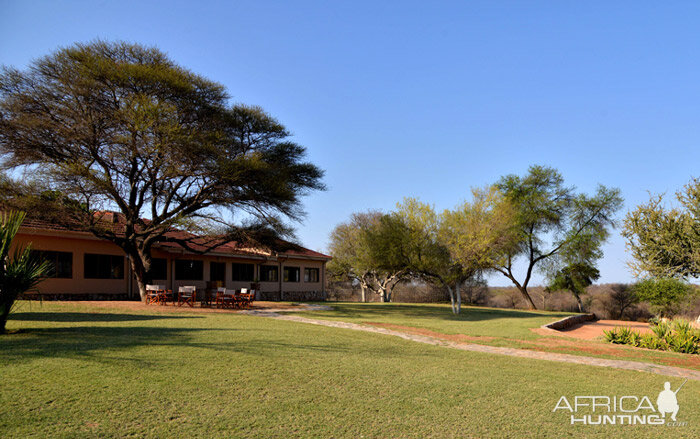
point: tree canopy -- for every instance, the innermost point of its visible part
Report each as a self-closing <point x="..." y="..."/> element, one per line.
<point x="121" y="126"/>
<point x="414" y="240"/>
<point x="576" y="278"/>
<point x="664" y="294"/>
<point x="557" y="226"/>
<point x="666" y="242"/>
<point x="360" y="254"/>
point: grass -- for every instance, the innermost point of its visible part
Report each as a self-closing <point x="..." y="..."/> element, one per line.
<point x="497" y="326"/>
<point x="71" y="371"/>
<point x="473" y="321"/>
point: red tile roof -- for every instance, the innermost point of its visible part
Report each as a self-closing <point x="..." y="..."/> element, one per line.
<point x="200" y="244"/>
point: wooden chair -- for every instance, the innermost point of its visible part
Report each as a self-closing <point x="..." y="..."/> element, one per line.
<point x="241" y="298"/>
<point x="225" y="298"/>
<point x="247" y="299"/>
<point x="166" y="296"/>
<point x="188" y="295"/>
<point x="219" y="299"/>
<point x="155" y="294"/>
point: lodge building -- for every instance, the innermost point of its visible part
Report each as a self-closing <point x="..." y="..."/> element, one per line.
<point x="88" y="267"/>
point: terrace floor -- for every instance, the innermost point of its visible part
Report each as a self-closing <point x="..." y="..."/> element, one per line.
<point x="131" y="305"/>
<point x="594" y="330"/>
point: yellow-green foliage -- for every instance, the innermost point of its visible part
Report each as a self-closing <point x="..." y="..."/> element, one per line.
<point x="677" y="336"/>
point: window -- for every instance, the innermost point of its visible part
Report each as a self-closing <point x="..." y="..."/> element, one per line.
<point x="104" y="266"/>
<point x="310" y="274"/>
<point x="159" y="269"/>
<point x="60" y="263"/>
<point x="243" y="272"/>
<point x="268" y="273"/>
<point x="291" y="274"/>
<point x="217" y="271"/>
<point x="189" y="270"/>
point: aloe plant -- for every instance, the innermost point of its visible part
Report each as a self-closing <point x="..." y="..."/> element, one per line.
<point x="20" y="270"/>
<point x="661" y="330"/>
<point x="676" y="336"/>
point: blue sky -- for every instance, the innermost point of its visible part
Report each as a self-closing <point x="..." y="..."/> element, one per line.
<point x="429" y="99"/>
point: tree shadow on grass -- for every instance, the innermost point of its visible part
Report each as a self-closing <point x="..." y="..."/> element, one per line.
<point x="92" y="342"/>
<point x="423" y="311"/>
<point x="118" y="345"/>
<point x="91" y="317"/>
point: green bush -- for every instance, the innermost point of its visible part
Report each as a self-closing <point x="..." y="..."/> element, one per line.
<point x="685" y="338"/>
<point x="651" y="341"/>
<point x="622" y="335"/>
<point x="661" y="329"/>
<point x="677" y="336"/>
<point x="20" y="270"/>
<point x="663" y="294"/>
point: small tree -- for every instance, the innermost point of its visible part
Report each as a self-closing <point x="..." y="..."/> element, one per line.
<point x="479" y="233"/>
<point x="384" y="240"/>
<point x="622" y="297"/>
<point x="118" y="126"/>
<point x="664" y="294"/>
<point x="359" y="254"/>
<point x="20" y="270"/>
<point x="349" y="261"/>
<point x="575" y="278"/>
<point x="422" y="252"/>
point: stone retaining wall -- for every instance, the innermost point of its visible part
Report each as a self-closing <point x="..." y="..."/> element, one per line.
<point x="570" y="321"/>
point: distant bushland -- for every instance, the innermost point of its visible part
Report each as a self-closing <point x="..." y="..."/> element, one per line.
<point x="607" y="301"/>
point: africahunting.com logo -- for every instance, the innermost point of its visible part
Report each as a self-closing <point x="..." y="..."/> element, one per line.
<point x="623" y="410"/>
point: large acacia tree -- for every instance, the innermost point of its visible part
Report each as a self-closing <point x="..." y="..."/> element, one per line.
<point x="121" y="126"/>
<point x="554" y="222"/>
<point x="454" y="246"/>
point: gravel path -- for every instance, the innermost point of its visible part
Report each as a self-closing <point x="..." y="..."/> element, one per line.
<point x="522" y="353"/>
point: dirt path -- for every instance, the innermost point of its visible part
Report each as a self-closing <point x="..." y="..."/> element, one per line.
<point x="593" y="330"/>
<point x="512" y="352"/>
<point x="273" y="310"/>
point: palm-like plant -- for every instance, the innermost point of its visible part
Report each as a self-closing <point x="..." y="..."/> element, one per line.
<point x="20" y="270"/>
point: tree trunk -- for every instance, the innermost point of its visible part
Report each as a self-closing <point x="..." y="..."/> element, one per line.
<point x="364" y="295"/>
<point x="140" y="260"/>
<point x="579" y="303"/>
<point x="8" y="299"/>
<point x="382" y="294"/>
<point x="140" y="275"/>
<point x="453" y="300"/>
<point x="458" y="295"/>
<point x="4" y="314"/>
<point x="528" y="299"/>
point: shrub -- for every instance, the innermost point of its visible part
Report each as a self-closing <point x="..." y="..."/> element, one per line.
<point x="661" y="329"/>
<point x="620" y="299"/>
<point x="622" y="335"/>
<point x="654" y="320"/>
<point x="663" y="294"/>
<point x="651" y="341"/>
<point x="612" y="336"/>
<point x="20" y="270"/>
<point x="678" y="336"/>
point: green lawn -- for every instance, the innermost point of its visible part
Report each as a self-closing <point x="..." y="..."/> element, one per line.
<point x="499" y="327"/>
<point x="474" y="321"/>
<point x="72" y="371"/>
